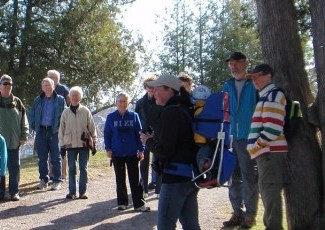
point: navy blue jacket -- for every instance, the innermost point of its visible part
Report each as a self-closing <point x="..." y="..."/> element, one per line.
<point x="121" y="134"/>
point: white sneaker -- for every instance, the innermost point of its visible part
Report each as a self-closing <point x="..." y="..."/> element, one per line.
<point x="56" y="186"/>
<point x="143" y="208"/>
<point x="145" y="195"/>
<point x="42" y="185"/>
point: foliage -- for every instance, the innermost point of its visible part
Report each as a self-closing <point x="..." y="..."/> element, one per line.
<point x="80" y="38"/>
<point x="199" y="41"/>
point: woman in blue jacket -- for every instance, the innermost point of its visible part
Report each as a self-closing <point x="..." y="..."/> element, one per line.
<point x="123" y="146"/>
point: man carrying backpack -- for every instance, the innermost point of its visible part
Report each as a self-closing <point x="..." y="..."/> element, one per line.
<point x="267" y="144"/>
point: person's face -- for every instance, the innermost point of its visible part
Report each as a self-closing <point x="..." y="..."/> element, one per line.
<point x="47" y="88"/>
<point x="162" y="95"/>
<point x="238" y="68"/>
<point x="149" y="90"/>
<point x="5" y="88"/>
<point x="54" y="78"/>
<point x="187" y="85"/>
<point x="122" y="104"/>
<point x="260" y="80"/>
<point x="75" y="98"/>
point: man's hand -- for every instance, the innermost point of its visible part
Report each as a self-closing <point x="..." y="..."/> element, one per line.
<point x="140" y="156"/>
<point x="63" y="152"/>
<point x="109" y="153"/>
<point x="145" y="136"/>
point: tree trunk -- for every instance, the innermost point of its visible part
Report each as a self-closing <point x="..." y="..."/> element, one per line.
<point x="317" y="8"/>
<point x="282" y="49"/>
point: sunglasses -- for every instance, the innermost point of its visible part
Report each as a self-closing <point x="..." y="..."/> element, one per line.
<point x="7" y="83"/>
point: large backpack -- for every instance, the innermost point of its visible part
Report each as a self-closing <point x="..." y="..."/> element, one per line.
<point x="293" y="117"/>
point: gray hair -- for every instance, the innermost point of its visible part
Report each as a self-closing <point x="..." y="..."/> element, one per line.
<point x="48" y="80"/>
<point x="76" y="89"/>
<point x="53" y="72"/>
<point x="123" y="94"/>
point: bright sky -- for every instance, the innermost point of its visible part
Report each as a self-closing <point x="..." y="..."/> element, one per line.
<point x="141" y="16"/>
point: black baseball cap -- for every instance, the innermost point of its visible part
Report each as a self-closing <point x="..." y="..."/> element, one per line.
<point x="261" y="68"/>
<point x="236" y="56"/>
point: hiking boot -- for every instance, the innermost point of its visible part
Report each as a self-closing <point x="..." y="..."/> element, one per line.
<point x="83" y="196"/>
<point x="71" y="196"/>
<point x="233" y="221"/>
<point x="42" y="185"/>
<point x="56" y="186"/>
<point x="14" y="197"/>
<point x="248" y="222"/>
<point x="143" y="208"/>
<point x="121" y="207"/>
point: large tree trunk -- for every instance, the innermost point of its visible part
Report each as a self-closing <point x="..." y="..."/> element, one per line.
<point x="281" y="48"/>
<point x="317" y="8"/>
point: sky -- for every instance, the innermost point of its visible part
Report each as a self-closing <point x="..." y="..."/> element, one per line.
<point x="141" y="16"/>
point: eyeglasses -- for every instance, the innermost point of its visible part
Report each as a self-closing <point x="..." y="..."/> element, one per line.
<point x="7" y="83"/>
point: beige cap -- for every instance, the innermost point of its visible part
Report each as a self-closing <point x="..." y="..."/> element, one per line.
<point x="168" y="80"/>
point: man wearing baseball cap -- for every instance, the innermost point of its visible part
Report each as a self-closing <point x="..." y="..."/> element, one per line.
<point x="242" y="101"/>
<point x="14" y="128"/>
<point x="267" y="144"/>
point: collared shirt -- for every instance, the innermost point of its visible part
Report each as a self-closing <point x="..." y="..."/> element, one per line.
<point x="47" y="112"/>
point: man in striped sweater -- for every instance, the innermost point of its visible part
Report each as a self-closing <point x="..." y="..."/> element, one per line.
<point x="267" y="144"/>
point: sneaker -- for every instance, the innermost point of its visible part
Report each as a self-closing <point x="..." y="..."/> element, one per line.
<point x="152" y="186"/>
<point x="121" y="207"/>
<point x="83" y="196"/>
<point x="71" y="196"/>
<point x="248" y="222"/>
<point x="143" y="208"/>
<point x="14" y="197"/>
<point x="233" y="221"/>
<point x="145" y="195"/>
<point x="42" y="185"/>
<point x="56" y="186"/>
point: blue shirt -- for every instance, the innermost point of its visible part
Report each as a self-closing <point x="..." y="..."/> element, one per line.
<point x="47" y="112"/>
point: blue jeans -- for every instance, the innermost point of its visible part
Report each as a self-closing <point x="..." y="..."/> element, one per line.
<point x="13" y="164"/>
<point x="48" y="142"/>
<point x="83" y="167"/>
<point x="178" y="201"/>
<point x="244" y="188"/>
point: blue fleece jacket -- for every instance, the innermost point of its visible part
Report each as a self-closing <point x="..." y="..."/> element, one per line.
<point x="241" y="112"/>
<point x="121" y="134"/>
<point x="3" y="156"/>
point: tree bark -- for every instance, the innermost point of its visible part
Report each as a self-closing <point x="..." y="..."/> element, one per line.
<point x="317" y="8"/>
<point x="281" y="47"/>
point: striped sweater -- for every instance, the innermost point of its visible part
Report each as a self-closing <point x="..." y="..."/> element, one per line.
<point x="266" y="132"/>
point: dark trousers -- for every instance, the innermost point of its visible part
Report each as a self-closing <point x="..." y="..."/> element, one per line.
<point x="14" y="170"/>
<point x="130" y="163"/>
<point x="144" y="170"/>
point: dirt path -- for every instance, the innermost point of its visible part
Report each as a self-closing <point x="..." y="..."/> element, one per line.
<point x="50" y="210"/>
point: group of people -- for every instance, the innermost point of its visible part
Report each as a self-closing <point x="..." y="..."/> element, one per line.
<point x="162" y="125"/>
<point x="58" y="130"/>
